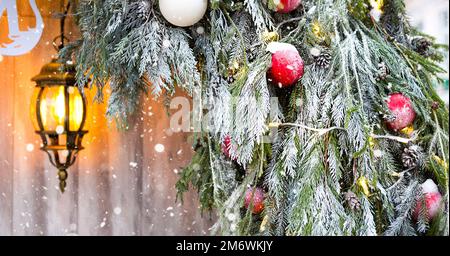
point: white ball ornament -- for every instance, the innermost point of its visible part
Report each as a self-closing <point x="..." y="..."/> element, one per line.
<point x="183" y="13"/>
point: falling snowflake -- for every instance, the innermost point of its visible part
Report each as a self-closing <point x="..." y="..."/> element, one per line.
<point x="231" y="217"/>
<point x="159" y="148"/>
<point x="30" y="147"/>
<point x="200" y="30"/>
<point x="196" y="167"/>
<point x="166" y="43"/>
<point x="71" y="90"/>
<point x="59" y="129"/>
<point x="117" y="210"/>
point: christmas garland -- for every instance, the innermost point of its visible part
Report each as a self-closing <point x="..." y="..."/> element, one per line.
<point x="356" y="142"/>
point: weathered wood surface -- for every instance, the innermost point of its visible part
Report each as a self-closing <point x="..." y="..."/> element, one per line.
<point x="120" y="185"/>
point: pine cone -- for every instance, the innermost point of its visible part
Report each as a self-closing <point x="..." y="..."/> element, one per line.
<point x="322" y="57"/>
<point x="252" y="54"/>
<point x="421" y="45"/>
<point x="352" y="200"/>
<point x="383" y="72"/>
<point x="435" y="105"/>
<point x="413" y="157"/>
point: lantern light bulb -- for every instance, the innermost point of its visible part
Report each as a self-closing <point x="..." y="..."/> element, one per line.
<point x="59" y="129"/>
<point x="59" y="109"/>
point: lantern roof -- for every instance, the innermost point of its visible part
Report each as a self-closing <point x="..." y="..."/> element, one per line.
<point x="56" y="72"/>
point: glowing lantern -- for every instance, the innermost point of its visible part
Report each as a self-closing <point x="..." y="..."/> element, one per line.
<point x="58" y="111"/>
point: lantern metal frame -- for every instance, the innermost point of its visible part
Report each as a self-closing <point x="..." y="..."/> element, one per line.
<point x="59" y="74"/>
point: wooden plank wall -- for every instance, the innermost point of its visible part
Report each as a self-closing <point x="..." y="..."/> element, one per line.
<point x="120" y="184"/>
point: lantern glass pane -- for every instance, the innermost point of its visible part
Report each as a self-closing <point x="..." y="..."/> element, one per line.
<point x="33" y="113"/>
<point x="76" y="110"/>
<point x="52" y="107"/>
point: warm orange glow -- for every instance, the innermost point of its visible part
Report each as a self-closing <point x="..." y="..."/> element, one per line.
<point x="58" y="107"/>
<point x="43" y="107"/>
<point x="76" y="109"/>
<point x="52" y="106"/>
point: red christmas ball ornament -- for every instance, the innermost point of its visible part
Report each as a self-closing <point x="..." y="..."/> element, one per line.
<point x="287" y="65"/>
<point x="433" y="200"/>
<point x="402" y="111"/>
<point x="226" y="146"/>
<point x="254" y="197"/>
<point x="284" y="6"/>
